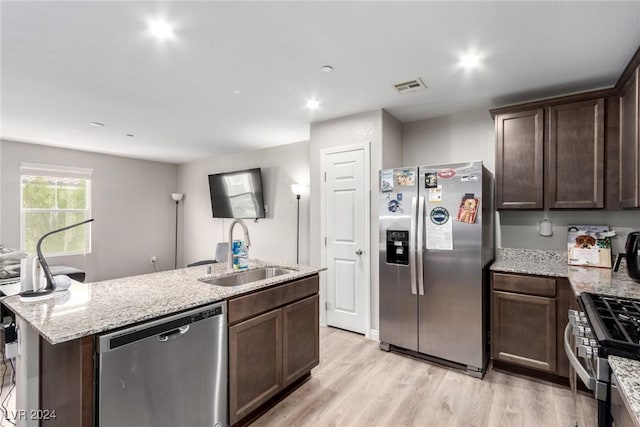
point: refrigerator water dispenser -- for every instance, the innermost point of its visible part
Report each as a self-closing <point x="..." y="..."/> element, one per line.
<point x="397" y="247"/>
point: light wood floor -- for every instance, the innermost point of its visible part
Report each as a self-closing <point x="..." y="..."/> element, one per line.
<point x="356" y="384"/>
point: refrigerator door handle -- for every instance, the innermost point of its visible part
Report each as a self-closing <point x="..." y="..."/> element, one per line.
<point x="412" y="244"/>
<point x="420" y="248"/>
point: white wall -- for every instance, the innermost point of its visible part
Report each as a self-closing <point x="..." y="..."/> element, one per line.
<point x="392" y="136"/>
<point x="520" y="229"/>
<point x="458" y="137"/>
<point x="131" y="203"/>
<point x="272" y="238"/>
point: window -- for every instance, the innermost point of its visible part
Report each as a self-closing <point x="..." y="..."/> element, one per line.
<point x="53" y="197"/>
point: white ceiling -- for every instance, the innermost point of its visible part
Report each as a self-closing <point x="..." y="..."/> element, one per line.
<point x="65" y="64"/>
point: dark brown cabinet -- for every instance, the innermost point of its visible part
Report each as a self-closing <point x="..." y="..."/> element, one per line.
<point x="519" y="158"/>
<point x="255" y="363"/>
<point x="629" y="179"/>
<point x="273" y="341"/>
<point x="524" y="325"/>
<point x="301" y="342"/>
<point x="528" y="317"/>
<point x="575" y="155"/>
<point x="552" y="156"/>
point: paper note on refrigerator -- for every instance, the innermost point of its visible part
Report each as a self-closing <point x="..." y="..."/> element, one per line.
<point x="439" y="230"/>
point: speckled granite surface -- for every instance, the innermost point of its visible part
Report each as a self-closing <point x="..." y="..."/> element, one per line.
<point x="603" y="281"/>
<point x="628" y="373"/>
<point x="554" y="264"/>
<point x="531" y="261"/>
<point x="90" y="308"/>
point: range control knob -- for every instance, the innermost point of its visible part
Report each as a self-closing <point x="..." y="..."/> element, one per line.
<point x="585" y="351"/>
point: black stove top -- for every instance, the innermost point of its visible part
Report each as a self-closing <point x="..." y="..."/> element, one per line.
<point x="615" y="322"/>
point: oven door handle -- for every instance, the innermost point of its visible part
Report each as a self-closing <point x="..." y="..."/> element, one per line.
<point x="587" y="379"/>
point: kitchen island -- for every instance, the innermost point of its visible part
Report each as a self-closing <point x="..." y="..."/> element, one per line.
<point x="67" y="323"/>
<point x="546" y="263"/>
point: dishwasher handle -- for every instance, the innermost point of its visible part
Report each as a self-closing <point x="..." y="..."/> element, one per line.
<point x="171" y="335"/>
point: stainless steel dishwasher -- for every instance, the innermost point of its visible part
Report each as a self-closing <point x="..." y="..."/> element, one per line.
<point x="167" y="372"/>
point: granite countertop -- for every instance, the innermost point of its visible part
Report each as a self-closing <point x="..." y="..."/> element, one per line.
<point x="627" y="372"/>
<point x="90" y="308"/>
<point x="554" y="264"/>
<point x="531" y="261"/>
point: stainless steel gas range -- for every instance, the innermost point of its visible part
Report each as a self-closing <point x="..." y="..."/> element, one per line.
<point x="607" y="326"/>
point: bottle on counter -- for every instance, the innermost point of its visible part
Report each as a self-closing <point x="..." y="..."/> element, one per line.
<point x="240" y="255"/>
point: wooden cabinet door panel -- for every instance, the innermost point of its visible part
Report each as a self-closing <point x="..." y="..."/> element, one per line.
<point x="519" y="160"/>
<point x="628" y="148"/>
<point x="575" y="154"/>
<point x="255" y="363"/>
<point x="300" y="338"/>
<point x="524" y="330"/>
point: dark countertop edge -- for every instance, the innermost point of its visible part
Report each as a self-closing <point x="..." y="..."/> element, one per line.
<point x="501" y="269"/>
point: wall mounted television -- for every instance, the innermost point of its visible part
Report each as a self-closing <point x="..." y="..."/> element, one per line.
<point x="237" y="194"/>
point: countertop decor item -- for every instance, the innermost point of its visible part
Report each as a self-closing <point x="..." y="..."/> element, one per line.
<point x="176" y="198"/>
<point x="61" y="282"/>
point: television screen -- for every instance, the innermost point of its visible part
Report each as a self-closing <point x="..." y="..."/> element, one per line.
<point x="237" y="194"/>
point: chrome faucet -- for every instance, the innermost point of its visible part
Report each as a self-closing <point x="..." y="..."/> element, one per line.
<point x="247" y="241"/>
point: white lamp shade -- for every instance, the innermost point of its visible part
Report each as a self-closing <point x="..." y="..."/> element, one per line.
<point x="298" y="189"/>
<point x="177" y="196"/>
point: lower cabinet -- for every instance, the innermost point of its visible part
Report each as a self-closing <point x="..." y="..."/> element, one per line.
<point x="524" y="330"/>
<point x="528" y="317"/>
<point x="300" y="338"/>
<point x="255" y="363"/>
<point x="270" y="350"/>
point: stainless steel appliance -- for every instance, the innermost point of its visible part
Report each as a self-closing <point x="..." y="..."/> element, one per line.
<point x="167" y="372"/>
<point x="609" y="325"/>
<point x="436" y="242"/>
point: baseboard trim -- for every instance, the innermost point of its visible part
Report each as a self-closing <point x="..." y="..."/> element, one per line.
<point x="374" y="335"/>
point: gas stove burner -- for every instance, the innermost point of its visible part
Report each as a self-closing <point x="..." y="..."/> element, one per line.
<point x="616" y="323"/>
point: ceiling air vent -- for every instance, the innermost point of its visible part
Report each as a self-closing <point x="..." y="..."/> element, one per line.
<point x="410" y="86"/>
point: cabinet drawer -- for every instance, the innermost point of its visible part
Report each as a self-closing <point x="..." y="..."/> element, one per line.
<point x="527" y="285"/>
<point x="262" y="301"/>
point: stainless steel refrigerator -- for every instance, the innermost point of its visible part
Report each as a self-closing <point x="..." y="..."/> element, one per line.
<point x="436" y="243"/>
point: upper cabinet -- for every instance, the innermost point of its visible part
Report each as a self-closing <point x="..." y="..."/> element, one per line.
<point x="519" y="170"/>
<point x="575" y="155"/>
<point x="568" y="152"/>
<point x="551" y="156"/>
<point x="629" y="180"/>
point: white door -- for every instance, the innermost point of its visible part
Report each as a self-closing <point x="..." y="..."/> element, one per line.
<point x="346" y="220"/>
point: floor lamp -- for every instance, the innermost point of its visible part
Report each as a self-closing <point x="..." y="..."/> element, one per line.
<point x="297" y="189"/>
<point x="176" y="198"/>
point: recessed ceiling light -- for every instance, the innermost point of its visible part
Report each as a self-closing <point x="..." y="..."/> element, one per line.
<point x="470" y="60"/>
<point x="96" y="124"/>
<point x="161" y="29"/>
<point x="312" y="104"/>
<point x="236" y="92"/>
<point x="326" y="68"/>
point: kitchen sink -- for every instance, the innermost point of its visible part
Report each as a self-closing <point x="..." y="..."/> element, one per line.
<point x="248" y="276"/>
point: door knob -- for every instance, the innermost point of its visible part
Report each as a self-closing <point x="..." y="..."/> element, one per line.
<point x="359" y="252"/>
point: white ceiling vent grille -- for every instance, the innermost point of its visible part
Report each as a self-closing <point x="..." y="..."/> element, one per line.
<point x="410" y="86"/>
